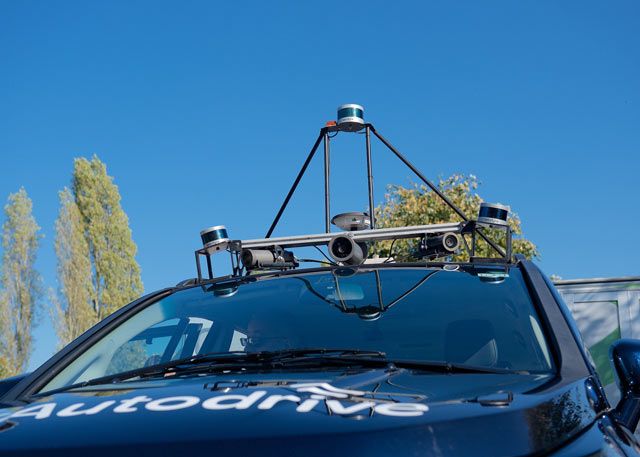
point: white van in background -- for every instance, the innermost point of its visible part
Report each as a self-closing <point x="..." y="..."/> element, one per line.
<point x="605" y="309"/>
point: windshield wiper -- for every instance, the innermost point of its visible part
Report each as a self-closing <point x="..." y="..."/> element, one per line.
<point x="453" y="368"/>
<point x="380" y="360"/>
<point x="221" y="361"/>
<point x="157" y="369"/>
<point x="319" y="357"/>
<point x="285" y="358"/>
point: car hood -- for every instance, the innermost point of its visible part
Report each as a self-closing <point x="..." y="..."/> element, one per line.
<point x="361" y="412"/>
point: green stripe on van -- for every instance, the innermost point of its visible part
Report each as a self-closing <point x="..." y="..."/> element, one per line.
<point x="600" y="354"/>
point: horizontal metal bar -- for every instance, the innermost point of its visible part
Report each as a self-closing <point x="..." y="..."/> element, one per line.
<point x="360" y="235"/>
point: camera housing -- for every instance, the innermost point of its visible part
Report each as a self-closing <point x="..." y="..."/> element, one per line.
<point x="276" y="258"/>
<point x="437" y="245"/>
<point x="344" y="250"/>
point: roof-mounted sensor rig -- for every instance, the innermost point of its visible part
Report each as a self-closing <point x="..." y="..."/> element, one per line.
<point x="350" y="247"/>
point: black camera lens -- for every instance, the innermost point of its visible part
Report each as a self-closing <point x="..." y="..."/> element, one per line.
<point x="341" y="247"/>
<point x="450" y="242"/>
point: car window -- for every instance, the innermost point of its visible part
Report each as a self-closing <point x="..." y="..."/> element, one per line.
<point x="146" y="348"/>
<point x="481" y="317"/>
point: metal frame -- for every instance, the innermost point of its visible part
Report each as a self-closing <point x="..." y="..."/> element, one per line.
<point x="466" y="227"/>
<point x="363" y="236"/>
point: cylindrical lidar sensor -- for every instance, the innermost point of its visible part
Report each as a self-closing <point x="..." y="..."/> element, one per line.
<point x="350" y="117"/>
<point x="493" y="214"/>
<point x="215" y="239"/>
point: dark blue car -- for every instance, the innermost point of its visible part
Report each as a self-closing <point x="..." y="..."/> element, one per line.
<point x="360" y="357"/>
<point x="387" y="359"/>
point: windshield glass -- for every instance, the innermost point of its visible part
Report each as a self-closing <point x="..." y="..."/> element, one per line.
<point x="479" y="317"/>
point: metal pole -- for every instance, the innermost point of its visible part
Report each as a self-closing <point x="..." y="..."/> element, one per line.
<point x="327" y="202"/>
<point x="434" y="188"/>
<point x="209" y="266"/>
<point x="198" y="267"/>
<point x="296" y="182"/>
<point x="232" y="255"/>
<point x="370" y="179"/>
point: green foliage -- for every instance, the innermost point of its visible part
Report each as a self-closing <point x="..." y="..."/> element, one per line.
<point x="97" y="269"/>
<point x="75" y="314"/>
<point x="419" y="205"/>
<point x="21" y="287"/>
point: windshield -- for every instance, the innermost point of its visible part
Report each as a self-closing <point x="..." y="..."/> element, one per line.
<point x="479" y="317"/>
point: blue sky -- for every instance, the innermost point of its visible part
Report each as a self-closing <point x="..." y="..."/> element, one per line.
<point x="204" y="111"/>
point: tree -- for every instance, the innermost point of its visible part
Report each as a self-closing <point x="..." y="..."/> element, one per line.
<point x="21" y="284"/>
<point x="418" y="205"/>
<point x="97" y="269"/>
<point x="75" y="314"/>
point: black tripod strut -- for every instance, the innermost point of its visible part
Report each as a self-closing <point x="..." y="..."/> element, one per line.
<point x="435" y="189"/>
<point x="327" y="202"/>
<point x="370" y="177"/>
<point x="323" y="131"/>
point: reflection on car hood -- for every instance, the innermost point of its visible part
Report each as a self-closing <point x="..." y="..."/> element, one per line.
<point x="359" y="412"/>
